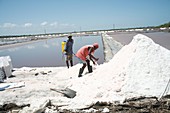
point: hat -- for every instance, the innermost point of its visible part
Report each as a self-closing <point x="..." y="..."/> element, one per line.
<point x="70" y="36"/>
<point x="96" y="45"/>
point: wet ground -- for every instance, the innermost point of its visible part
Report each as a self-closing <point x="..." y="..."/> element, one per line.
<point x="132" y="105"/>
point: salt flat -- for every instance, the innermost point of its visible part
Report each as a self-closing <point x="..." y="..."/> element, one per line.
<point x="141" y="68"/>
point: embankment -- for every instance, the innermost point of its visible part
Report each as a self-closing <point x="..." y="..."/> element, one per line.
<point x="111" y="47"/>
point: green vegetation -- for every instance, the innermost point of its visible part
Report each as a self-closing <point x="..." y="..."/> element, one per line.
<point x="164" y="25"/>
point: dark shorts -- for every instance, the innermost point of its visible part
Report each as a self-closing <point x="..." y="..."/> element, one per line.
<point x="69" y="57"/>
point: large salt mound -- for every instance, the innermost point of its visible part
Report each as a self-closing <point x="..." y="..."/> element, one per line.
<point x="148" y="70"/>
<point x="140" y="68"/>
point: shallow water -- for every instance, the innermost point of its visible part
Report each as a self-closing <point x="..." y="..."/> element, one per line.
<point x="161" y="38"/>
<point x="47" y="53"/>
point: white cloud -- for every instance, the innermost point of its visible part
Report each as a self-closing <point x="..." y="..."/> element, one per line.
<point x="54" y="24"/>
<point x="44" y="23"/>
<point x="27" y="24"/>
<point x="66" y="25"/>
<point x="9" y="25"/>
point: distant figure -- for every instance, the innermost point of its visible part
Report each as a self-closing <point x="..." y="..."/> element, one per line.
<point x="69" y="51"/>
<point x="86" y="53"/>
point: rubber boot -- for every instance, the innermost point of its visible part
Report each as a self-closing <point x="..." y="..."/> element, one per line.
<point x="71" y="62"/>
<point x="90" y="69"/>
<point x="80" y="72"/>
<point x="67" y="63"/>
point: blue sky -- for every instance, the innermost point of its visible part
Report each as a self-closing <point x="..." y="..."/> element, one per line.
<point x="18" y="17"/>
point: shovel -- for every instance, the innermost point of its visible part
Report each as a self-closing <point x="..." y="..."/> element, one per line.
<point x="69" y="93"/>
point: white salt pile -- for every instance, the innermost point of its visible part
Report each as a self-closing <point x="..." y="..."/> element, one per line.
<point x="148" y="69"/>
<point x="140" y="68"/>
<point x="5" y="67"/>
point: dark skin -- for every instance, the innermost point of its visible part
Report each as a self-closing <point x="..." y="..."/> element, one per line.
<point x="92" y="58"/>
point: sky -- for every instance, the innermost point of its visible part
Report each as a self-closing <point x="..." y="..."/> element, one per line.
<point x="21" y="17"/>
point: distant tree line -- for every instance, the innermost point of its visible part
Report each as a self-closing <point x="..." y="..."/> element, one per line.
<point x="164" y="25"/>
<point x="14" y="36"/>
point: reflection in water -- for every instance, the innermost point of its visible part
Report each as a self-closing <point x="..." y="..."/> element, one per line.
<point x="46" y="46"/>
<point x="30" y="47"/>
<point x="13" y="49"/>
<point x="47" y="53"/>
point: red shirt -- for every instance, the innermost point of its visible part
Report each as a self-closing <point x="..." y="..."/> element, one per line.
<point x="83" y="52"/>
